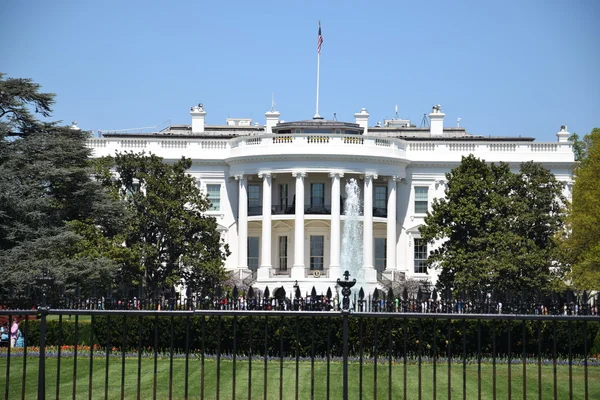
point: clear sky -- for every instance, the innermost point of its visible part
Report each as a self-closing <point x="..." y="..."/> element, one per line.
<point x="506" y="68"/>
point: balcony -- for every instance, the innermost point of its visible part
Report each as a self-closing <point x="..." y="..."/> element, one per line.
<point x="380" y="212"/>
<point x="314" y="209"/>
<point x="254" y="210"/>
<point x="318" y="209"/>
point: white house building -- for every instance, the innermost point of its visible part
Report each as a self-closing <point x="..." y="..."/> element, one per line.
<point x="278" y="189"/>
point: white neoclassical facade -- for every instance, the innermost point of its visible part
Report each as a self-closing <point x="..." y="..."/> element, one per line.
<point x="278" y="189"/>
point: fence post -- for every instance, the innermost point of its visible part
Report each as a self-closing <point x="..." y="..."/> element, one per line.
<point x="44" y="281"/>
<point x="346" y="284"/>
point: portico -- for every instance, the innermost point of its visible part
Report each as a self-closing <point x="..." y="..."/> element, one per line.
<point x="307" y="208"/>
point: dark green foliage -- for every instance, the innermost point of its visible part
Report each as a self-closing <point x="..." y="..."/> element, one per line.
<point x="298" y="336"/>
<point x="497" y="228"/>
<point x="45" y="191"/>
<point x="168" y="232"/>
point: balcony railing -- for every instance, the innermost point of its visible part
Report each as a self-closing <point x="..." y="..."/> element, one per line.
<point x="254" y="210"/>
<point x="317" y="209"/>
<point x="380" y="212"/>
<point x="323" y="209"/>
<point x="279" y="209"/>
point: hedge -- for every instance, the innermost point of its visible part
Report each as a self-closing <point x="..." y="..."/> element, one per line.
<point x="295" y="334"/>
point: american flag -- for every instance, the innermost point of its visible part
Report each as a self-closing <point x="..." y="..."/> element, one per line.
<point x="319" y="40"/>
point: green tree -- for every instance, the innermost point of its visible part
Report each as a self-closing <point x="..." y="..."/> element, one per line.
<point x="579" y="146"/>
<point x="495" y="228"/>
<point x="173" y="239"/>
<point x="45" y="191"/>
<point x="582" y="237"/>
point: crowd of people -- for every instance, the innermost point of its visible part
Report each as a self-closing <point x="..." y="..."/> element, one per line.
<point x="11" y="335"/>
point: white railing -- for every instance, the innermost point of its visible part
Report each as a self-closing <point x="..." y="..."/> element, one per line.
<point x="462" y="147"/>
<point x="275" y="144"/>
<point x="173" y="144"/>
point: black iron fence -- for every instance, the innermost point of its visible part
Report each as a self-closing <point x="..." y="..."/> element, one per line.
<point x="253" y="299"/>
<point x="257" y="345"/>
<point x="275" y="354"/>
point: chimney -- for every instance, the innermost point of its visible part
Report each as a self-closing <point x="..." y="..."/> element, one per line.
<point x="198" y="115"/>
<point x="563" y="134"/>
<point x="272" y="117"/>
<point x="436" y="121"/>
<point x="362" y="119"/>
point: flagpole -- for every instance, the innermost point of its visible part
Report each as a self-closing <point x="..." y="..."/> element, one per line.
<point x="317" y="116"/>
<point x="319" y="42"/>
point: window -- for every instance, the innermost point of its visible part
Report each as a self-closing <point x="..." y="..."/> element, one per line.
<point x="252" y="253"/>
<point x="317" y="191"/>
<point x="380" y="202"/>
<point x="380" y="197"/>
<point x="213" y="193"/>
<point x="421" y="199"/>
<point x="420" y="256"/>
<point x="316" y="252"/>
<point x="380" y="254"/>
<point x="254" y="196"/>
<point x="135" y="187"/>
<point x="283" y="244"/>
<point x="283" y="195"/>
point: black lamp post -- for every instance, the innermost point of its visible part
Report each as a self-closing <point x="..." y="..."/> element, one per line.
<point x="346" y="284"/>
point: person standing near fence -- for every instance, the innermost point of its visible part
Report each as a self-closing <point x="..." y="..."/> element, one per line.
<point x="14" y="332"/>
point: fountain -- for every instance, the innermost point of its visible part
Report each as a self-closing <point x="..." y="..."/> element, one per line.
<point x="352" y="244"/>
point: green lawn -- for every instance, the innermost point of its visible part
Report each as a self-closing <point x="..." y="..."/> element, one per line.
<point x="289" y="380"/>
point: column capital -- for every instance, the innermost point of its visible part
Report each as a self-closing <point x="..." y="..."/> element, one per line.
<point x="239" y="177"/>
<point x="299" y="174"/>
<point x="265" y="175"/>
<point x="336" y="175"/>
<point x="394" y="178"/>
<point x="371" y="175"/>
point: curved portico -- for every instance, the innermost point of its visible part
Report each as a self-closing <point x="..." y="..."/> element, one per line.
<point x="295" y="179"/>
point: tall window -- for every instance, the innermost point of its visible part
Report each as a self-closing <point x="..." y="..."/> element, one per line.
<point x="380" y="202"/>
<point x="317" y="194"/>
<point x="421" y="199"/>
<point x="283" y="252"/>
<point x="420" y="256"/>
<point x="283" y="195"/>
<point x="380" y="197"/>
<point x="252" y="253"/>
<point x="253" y="196"/>
<point x="213" y="193"/>
<point x="316" y="252"/>
<point x="380" y="254"/>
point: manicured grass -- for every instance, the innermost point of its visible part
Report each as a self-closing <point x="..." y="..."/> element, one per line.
<point x="308" y="380"/>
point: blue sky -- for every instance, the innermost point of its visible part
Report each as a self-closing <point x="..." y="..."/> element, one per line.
<point x="506" y="68"/>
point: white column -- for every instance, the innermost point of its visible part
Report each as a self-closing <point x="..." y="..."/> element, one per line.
<point x="334" y="252"/>
<point x="242" y="221"/>
<point x="265" y="255"/>
<point x="369" y="270"/>
<point x="298" y="267"/>
<point x="391" y="224"/>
